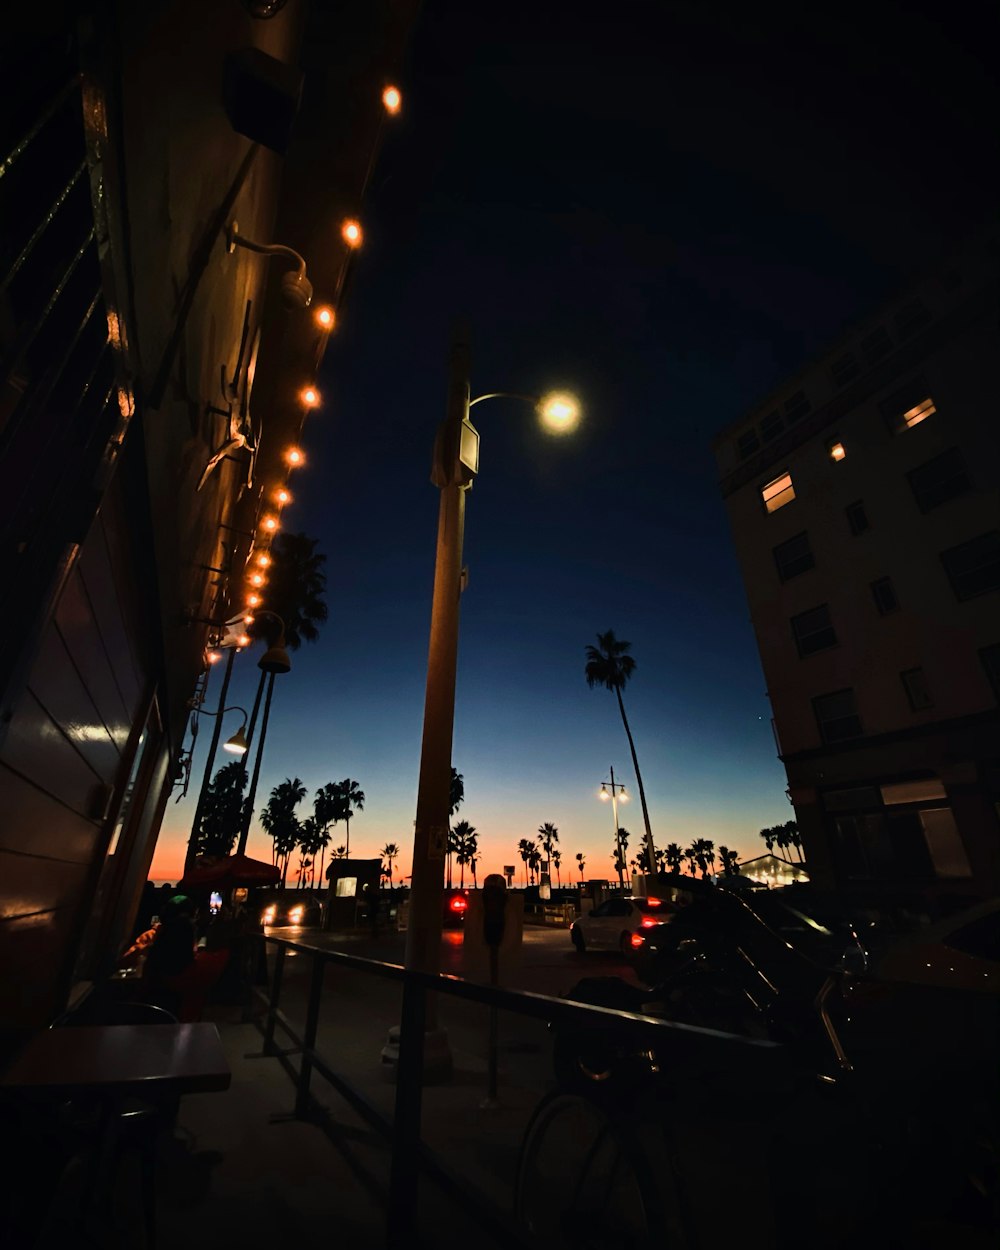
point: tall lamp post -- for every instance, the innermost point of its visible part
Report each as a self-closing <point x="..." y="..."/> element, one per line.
<point x="615" y="790"/>
<point x="456" y="463"/>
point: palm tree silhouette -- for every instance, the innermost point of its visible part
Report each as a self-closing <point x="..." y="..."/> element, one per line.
<point x="621" y="846"/>
<point x="525" y="849"/>
<point x="326" y="813"/>
<point x="391" y="853"/>
<point x="456" y="797"/>
<point x="548" y="836"/>
<point x="465" y="844"/>
<point x="557" y="860"/>
<point x="610" y="665"/>
<point x="279" y="820"/>
<point x="349" y="796"/>
<point x="581" y="862"/>
<point x="674" y="856"/>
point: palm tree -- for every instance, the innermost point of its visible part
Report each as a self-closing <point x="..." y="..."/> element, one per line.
<point x="465" y="843"/>
<point x="548" y="836"/>
<point x="729" y="864"/>
<point x="391" y="853"/>
<point x="524" y="849"/>
<point x="691" y="855"/>
<point x="794" y="838"/>
<point x="326" y="813"/>
<point x="557" y="860"/>
<point x="280" y="821"/>
<point x="768" y="835"/>
<point x="349" y="796"/>
<point x="581" y="863"/>
<point x="621" y="846"/>
<point x="310" y="844"/>
<point x="534" y="863"/>
<point x="456" y="796"/>
<point x="472" y="852"/>
<point x="674" y="856"/>
<point x="221" y="811"/>
<point x="609" y="665"/>
<point x="339" y="852"/>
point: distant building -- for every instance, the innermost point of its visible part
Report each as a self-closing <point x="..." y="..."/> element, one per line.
<point x="772" y="870"/>
<point x="863" y="497"/>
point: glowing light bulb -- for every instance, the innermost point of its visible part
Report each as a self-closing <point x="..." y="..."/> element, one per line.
<point x="253" y="600"/>
<point x="282" y="496"/>
<point x="837" y="451"/>
<point x="269" y="523"/>
<point x="264" y="560"/>
<point x="392" y="100"/>
<point x="309" y="396"/>
<point x="325" y="317"/>
<point x="213" y="657"/>
<point x="295" y="457"/>
<point x="559" y="412"/>
<point x="243" y="640"/>
<point x="248" y="619"/>
<point x="258" y="579"/>
<point x="351" y="232"/>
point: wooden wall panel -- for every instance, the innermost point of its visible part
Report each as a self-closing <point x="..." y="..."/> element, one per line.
<point x="33" y="824"/>
<point x="61" y="692"/>
<point x="32" y="885"/>
<point x="37" y="750"/>
<point x="27" y="944"/>
<point x="100" y="582"/>
<point x="82" y="637"/>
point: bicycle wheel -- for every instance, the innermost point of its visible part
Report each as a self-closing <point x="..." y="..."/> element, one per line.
<point x="589" y="1179"/>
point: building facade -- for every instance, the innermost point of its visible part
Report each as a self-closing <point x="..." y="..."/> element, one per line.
<point x="142" y="479"/>
<point x="863" y="497"/>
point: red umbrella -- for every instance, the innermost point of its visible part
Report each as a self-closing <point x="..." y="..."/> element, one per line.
<point x="221" y="874"/>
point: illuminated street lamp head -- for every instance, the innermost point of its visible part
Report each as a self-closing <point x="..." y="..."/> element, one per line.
<point x="392" y="100"/>
<point x="237" y="744"/>
<point x="623" y="797"/>
<point x="351" y="232"/>
<point x="603" y="793"/>
<point x="559" y="412"/>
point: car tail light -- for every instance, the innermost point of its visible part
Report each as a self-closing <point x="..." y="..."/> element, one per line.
<point x="458" y="903"/>
<point x="653" y="902"/>
<point x="647" y="922"/>
<point x="637" y="940"/>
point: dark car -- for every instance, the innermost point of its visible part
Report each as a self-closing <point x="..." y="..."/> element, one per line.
<point x="291" y="909"/>
<point x="456" y="904"/>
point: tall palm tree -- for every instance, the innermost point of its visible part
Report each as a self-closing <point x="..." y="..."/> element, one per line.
<point x="326" y="812"/>
<point x="691" y="855"/>
<point x="280" y="821"/>
<point x="548" y="836"/>
<point x="621" y="846"/>
<point x="472" y="851"/>
<point x="610" y="665"/>
<point x="534" y="863"/>
<point x="456" y="796"/>
<point x="350" y="796"/>
<point x="557" y="860"/>
<point x="525" y="849"/>
<point x="581" y="863"/>
<point x="465" y="843"/>
<point x="391" y="853"/>
<point x="794" y="838"/>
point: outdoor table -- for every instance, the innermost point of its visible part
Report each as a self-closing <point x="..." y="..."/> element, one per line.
<point x="107" y="1065"/>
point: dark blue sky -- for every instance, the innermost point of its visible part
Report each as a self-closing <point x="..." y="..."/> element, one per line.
<point x="666" y="208"/>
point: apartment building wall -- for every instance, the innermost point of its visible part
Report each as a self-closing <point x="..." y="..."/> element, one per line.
<point x="872" y="584"/>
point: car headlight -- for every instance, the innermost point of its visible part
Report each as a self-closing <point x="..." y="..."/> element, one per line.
<point x="296" y="914"/>
<point x="269" y="914"/>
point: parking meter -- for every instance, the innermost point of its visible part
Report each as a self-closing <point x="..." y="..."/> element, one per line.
<point x="494" y="907"/>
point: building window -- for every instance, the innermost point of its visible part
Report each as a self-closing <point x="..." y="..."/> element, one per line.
<point x="944" y="842"/>
<point x="844" y="369"/>
<point x="990" y="657"/>
<point x="793" y="557"/>
<point x="836" y="450"/>
<point x="937" y="481"/>
<point x="748" y="443"/>
<point x="884" y="596"/>
<point x="837" y="716"/>
<point x="876" y="345"/>
<point x="797" y="407"/>
<point x="973" y="568"/>
<point x="857" y="517"/>
<point x="778" y="492"/>
<point x="771" y="426"/>
<point x="813" y="630"/>
<point x="915" y="685"/>
<point x="908" y="406"/>
<point x="910" y="318"/>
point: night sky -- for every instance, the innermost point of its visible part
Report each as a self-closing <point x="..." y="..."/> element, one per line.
<point x="668" y="210"/>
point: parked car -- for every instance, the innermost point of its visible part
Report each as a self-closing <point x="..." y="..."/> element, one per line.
<point x="456" y="904"/>
<point x="615" y="923"/>
<point x="294" y="909"/>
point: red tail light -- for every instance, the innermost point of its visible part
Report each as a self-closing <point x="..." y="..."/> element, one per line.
<point x="647" y="922"/>
<point x="637" y="940"/>
<point x="458" y="903"/>
<point x="653" y="902"/>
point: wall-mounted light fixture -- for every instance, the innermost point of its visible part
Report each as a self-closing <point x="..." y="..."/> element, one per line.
<point x="296" y="289"/>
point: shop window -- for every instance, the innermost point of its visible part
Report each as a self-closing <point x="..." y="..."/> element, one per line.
<point x="944" y="842"/>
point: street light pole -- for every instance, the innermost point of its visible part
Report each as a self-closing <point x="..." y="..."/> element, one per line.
<point x="452" y="474"/>
<point x="614" y="787"/>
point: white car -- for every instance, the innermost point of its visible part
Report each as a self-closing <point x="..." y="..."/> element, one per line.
<point x="611" y="925"/>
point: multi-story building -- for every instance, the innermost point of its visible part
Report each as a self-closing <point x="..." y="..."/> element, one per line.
<point x="863" y="497"/>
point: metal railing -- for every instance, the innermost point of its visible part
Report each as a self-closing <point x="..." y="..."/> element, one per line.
<point x="683" y="1046"/>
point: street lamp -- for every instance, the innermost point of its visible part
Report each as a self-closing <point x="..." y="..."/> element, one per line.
<point x="615" y="791"/>
<point x="456" y="463"/>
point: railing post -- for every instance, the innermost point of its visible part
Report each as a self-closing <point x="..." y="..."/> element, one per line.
<point x="405" y="1170"/>
<point x="272" y="1004"/>
<point x="309" y="1040"/>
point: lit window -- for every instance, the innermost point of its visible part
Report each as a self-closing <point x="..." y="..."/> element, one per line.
<point x="916" y="414"/>
<point x="908" y="406"/>
<point x="777" y="493"/>
<point x="836" y="451"/>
